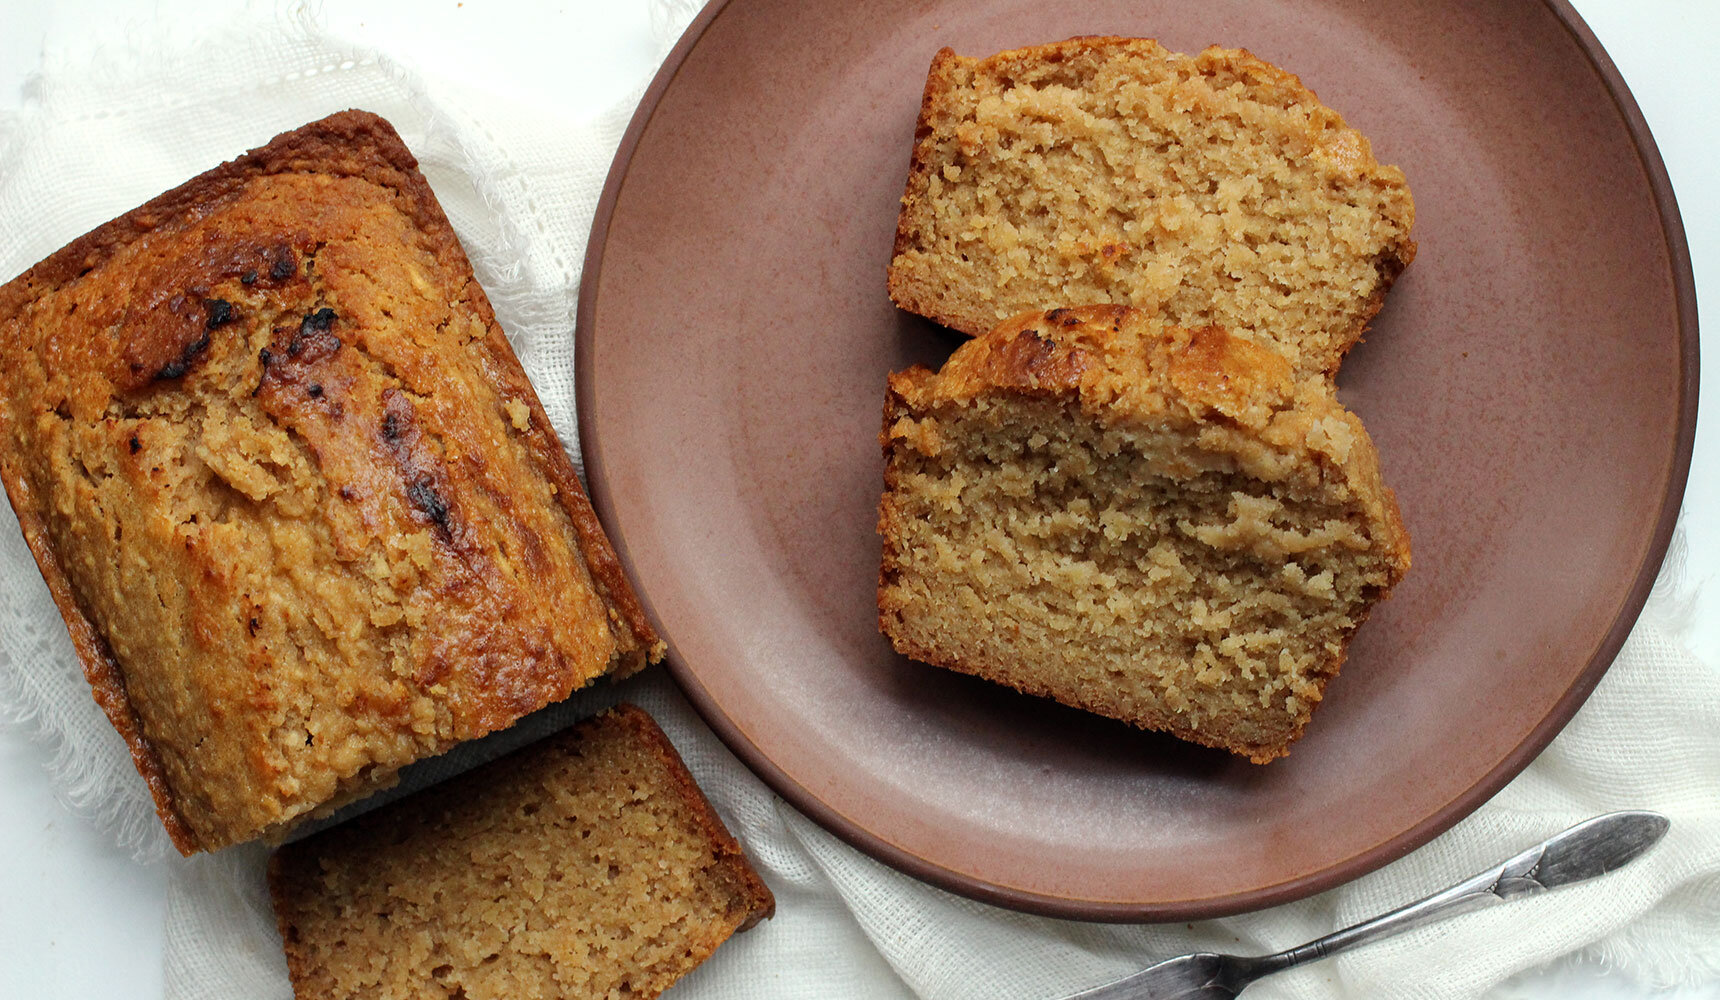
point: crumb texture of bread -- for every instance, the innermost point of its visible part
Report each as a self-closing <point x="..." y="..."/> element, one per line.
<point x="303" y="514"/>
<point x="585" y="866"/>
<point x="1152" y="523"/>
<point x="1214" y="189"/>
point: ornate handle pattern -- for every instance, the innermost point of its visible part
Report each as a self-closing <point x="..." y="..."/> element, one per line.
<point x="1586" y="850"/>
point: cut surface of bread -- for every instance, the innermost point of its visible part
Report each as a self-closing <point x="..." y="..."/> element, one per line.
<point x="587" y="865"/>
<point x="1214" y="189"/>
<point x="296" y="500"/>
<point x="1155" y="524"/>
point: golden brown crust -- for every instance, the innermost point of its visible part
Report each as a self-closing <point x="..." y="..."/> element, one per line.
<point x="86" y="254"/>
<point x="252" y="257"/>
<point x="547" y="820"/>
<point x="1236" y="407"/>
<point x="1126" y="360"/>
<point x="940" y="83"/>
<point x="1124" y="363"/>
<point x="107" y="684"/>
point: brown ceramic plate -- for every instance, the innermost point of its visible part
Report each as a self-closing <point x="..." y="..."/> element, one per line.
<point x="1531" y="385"/>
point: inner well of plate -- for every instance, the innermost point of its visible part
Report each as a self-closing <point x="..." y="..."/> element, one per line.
<point x="1522" y="384"/>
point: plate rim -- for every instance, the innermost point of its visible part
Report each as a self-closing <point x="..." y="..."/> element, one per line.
<point x="1289" y="890"/>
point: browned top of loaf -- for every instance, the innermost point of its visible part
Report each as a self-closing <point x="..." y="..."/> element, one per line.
<point x="1130" y="367"/>
<point x="585" y="865"/>
<point x="1213" y="188"/>
<point x="302" y="512"/>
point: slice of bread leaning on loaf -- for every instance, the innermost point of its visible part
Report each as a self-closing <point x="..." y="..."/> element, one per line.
<point x="1153" y="523"/>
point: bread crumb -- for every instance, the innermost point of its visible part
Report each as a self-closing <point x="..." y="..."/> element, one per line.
<point x="519" y="414"/>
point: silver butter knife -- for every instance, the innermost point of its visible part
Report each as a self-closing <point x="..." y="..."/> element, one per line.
<point x="1585" y="851"/>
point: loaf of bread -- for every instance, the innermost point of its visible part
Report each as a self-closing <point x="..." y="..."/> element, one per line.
<point x="1212" y="189"/>
<point x="584" y="866"/>
<point x="300" y="508"/>
<point x="1152" y="523"/>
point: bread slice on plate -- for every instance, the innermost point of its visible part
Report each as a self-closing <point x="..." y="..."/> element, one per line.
<point x="1149" y="522"/>
<point x="587" y="865"/>
<point x="1214" y="189"/>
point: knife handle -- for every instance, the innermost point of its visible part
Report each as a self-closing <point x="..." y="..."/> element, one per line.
<point x="1591" y="848"/>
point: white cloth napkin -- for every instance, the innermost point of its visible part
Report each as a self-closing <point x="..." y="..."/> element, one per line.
<point x="520" y="187"/>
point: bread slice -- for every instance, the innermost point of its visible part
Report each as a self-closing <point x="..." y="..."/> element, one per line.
<point x="1214" y="189"/>
<point x="295" y="498"/>
<point x="1148" y="522"/>
<point x="586" y="865"/>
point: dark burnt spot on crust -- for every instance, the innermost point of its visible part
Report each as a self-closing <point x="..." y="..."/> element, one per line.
<point x="257" y="264"/>
<point x="295" y="355"/>
<point x="424" y="496"/>
<point x="264" y="266"/>
<point x="303" y="357"/>
<point x="166" y="335"/>
<point x="284" y="265"/>
<point x="220" y="313"/>
<point x="421" y="473"/>
<point x="1035" y="362"/>
<point x="187" y="357"/>
<point x="312" y="342"/>
<point x="318" y="321"/>
<point x="1085" y="315"/>
<point x="264" y="356"/>
<point x="163" y="339"/>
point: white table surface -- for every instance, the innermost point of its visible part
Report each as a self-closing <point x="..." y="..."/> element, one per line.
<point x="80" y="919"/>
